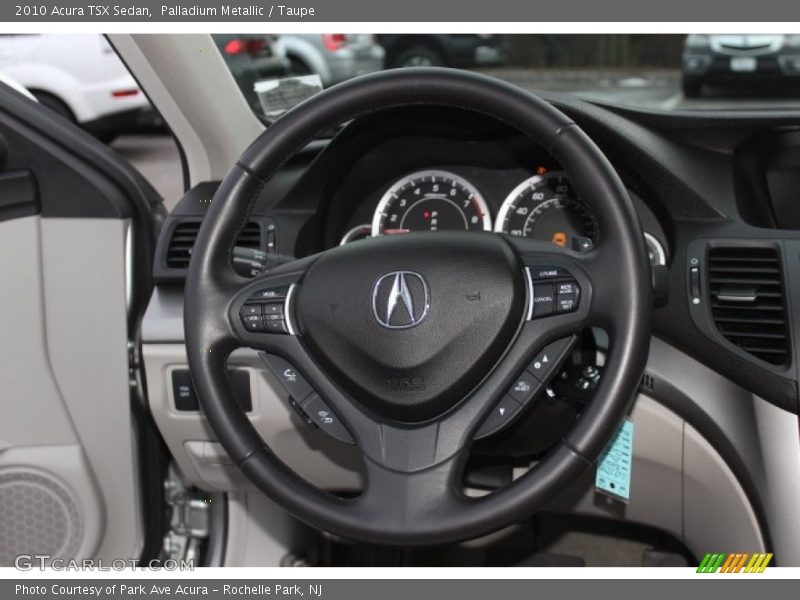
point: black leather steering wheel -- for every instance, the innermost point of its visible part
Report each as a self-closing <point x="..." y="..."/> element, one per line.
<point x="411" y="343"/>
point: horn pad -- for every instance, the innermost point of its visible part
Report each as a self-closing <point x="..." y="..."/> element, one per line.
<point x="409" y="324"/>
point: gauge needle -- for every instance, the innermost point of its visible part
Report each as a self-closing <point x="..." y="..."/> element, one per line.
<point x="395" y="231"/>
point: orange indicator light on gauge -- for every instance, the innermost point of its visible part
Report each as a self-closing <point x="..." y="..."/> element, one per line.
<point x="541" y="170"/>
<point x="560" y="238"/>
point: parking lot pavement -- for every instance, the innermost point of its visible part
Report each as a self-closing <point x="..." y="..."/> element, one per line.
<point x="156" y="157"/>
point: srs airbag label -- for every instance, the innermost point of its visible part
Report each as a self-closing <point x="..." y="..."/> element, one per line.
<point x="613" y="476"/>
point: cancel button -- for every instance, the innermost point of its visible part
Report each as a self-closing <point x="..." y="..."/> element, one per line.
<point x="543" y="299"/>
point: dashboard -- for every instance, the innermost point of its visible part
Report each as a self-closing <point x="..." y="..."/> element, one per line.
<point x="713" y="193"/>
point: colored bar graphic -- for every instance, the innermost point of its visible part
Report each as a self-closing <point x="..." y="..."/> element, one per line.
<point x="727" y="564"/>
<point x="752" y="562"/>
<point x="734" y="563"/>
<point x="718" y="563"/>
<point x="704" y="563"/>
<point x="741" y="562"/>
<point x="766" y="562"/>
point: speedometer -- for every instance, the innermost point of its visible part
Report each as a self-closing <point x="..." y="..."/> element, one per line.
<point x="545" y="207"/>
<point x="431" y="201"/>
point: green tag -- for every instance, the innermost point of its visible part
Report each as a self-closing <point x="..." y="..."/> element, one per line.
<point x="613" y="476"/>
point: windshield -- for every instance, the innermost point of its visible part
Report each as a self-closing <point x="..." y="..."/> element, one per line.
<point x="660" y="72"/>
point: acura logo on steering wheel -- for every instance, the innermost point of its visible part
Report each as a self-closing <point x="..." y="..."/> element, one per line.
<point x="400" y="300"/>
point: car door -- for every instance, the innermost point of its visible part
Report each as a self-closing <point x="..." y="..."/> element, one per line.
<point x="77" y="231"/>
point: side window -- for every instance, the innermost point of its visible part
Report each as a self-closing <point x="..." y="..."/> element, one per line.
<point x="106" y="100"/>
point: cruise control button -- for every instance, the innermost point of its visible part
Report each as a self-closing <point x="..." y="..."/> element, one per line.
<point x="543" y="299"/>
<point x="566" y="302"/>
<point x="273" y="317"/>
<point x="323" y="417"/>
<point x="525" y="388"/>
<point x="253" y="323"/>
<point x="502" y="414"/>
<point x="292" y="381"/>
<point x="538" y="273"/>
<point x="566" y="287"/>
<point x="550" y="358"/>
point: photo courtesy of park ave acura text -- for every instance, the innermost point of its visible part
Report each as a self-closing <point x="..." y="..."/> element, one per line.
<point x="334" y="301"/>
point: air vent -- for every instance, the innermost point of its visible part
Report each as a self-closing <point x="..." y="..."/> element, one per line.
<point x="180" y="245"/>
<point x="250" y="236"/>
<point x="747" y="302"/>
<point x="184" y="235"/>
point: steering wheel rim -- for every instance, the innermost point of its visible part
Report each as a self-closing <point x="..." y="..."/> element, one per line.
<point x="410" y="500"/>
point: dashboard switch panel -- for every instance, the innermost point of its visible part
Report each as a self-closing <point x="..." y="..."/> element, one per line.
<point x="185" y="398"/>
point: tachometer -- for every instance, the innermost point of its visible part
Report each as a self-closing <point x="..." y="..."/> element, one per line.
<point x="431" y="201"/>
<point x="545" y="207"/>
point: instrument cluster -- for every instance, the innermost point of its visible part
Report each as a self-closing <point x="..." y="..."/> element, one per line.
<point x="543" y="206"/>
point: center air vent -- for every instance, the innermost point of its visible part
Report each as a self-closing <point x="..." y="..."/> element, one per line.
<point x="184" y="235"/>
<point x="747" y="300"/>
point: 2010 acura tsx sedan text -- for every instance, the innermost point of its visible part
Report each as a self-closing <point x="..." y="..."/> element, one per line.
<point x="425" y="317"/>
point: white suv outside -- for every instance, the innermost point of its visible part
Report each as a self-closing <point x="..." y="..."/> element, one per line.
<point x="80" y="77"/>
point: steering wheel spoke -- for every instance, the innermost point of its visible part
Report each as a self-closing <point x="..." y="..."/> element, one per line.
<point x="412" y="498"/>
<point x="322" y="403"/>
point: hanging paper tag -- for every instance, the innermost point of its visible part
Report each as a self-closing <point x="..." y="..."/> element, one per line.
<point x="613" y="476"/>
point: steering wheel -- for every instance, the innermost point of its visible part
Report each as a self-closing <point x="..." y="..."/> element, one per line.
<point x="412" y="346"/>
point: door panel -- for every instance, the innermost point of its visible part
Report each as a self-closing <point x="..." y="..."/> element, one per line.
<point x="77" y="226"/>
